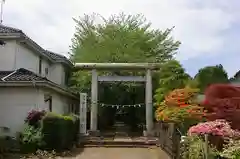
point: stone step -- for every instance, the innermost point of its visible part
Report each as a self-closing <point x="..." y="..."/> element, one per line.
<point x="120" y="142"/>
<point x="121" y="146"/>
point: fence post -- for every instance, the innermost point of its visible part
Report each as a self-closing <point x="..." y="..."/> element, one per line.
<point x="177" y="141"/>
<point x="206" y="146"/>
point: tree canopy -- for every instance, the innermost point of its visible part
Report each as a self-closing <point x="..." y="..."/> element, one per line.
<point x="119" y="38"/>
<point x="235" y="78"/>
<point x="210" y="75"/>
<point x="171" y="76"/>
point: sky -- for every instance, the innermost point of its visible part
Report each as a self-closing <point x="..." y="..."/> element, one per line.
<point x="208" y="29"/>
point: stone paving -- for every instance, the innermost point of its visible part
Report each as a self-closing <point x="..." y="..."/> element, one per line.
<point x="120" y="153"/>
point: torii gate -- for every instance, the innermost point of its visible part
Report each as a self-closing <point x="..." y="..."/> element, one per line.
<point x="148" y="67"/>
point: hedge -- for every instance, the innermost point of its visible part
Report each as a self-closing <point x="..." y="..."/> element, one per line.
<point x="59" y="131"/>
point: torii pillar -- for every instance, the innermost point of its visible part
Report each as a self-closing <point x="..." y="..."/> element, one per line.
<point x="149" y="103"/>
<point x="94" y="101"/>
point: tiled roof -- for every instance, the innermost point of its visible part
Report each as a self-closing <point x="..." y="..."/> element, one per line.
<point x="6" y="29"/>
<point x="23" y="75"/>
<point x="4" y="74"/>
<point x="55" y="57"/>
<point x="20" y="75"/>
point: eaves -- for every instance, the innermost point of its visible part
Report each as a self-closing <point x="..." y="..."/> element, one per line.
<point x="44" y="84"/>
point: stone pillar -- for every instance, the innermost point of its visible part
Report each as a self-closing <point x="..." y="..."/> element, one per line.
<point x="149" y="104"/>
<point x="94" y="99"/>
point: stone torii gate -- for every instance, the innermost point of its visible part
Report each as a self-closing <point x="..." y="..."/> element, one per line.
<point x="148" y="67"/>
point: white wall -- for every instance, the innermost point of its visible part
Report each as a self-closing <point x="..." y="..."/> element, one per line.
<point x="57" y="74"/>
<point x="7" y="52"/>
<point x="46" y="64"/>
<point x="60" y="103"/>
<point x="15" y="56"/>
<point x="26" y="58"/>
<point x="15" y="104"/>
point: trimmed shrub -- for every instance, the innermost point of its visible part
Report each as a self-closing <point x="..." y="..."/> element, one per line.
<point x="59" y="131"/>
<point x="76" y="126"/>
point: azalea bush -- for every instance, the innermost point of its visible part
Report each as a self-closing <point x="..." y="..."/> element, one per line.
<point x="219" y="132"/>
<point x="222" y="101"/>
<point x="180" y="106"/>
<point x="181" y="97"/>
<point x="217" y="128"/>
<point x="34" y="116"/>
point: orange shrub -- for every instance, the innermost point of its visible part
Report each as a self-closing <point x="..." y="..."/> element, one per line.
<point x="180" y="106"/>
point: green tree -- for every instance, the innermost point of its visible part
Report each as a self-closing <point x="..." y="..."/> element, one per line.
<point x="119" y="38"/>
<point x="171" y="76"/>
<point x="235" y="78"/>
<point x="210" y="75"/>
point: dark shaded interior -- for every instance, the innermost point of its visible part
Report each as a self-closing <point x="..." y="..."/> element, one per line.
<point x="122" y="94"/>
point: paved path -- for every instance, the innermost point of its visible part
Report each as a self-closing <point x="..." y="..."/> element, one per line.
<point x="121" y="153"/>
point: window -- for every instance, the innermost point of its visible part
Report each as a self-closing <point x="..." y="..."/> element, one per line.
<point x="2" y="43"/>
<point x="46" y="71"/>
<point x="50" y="104"/>
<point x="48" y="101"/>
<point x="40" y="65"/>
<point x="66" y="78"/>
<point x="71" y="108"/>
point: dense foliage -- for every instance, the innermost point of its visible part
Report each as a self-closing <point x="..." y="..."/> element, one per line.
<point x="222" y="102"/>
<point x="193" y="148"/>
<point x="58" y="131"/>
<point x="171" y="76"/>
<point x="231" y="150"/>
<point x="211" y="75"/>
<point x="119" y="38"/>
<point x="31" y="139"/>
<point x="48" y="131"/>
<point x="179" y="106"/>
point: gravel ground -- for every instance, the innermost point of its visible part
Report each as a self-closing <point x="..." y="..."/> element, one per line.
<point x="120" y="153"/>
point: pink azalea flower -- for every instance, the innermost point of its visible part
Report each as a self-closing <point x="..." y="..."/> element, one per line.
<point x="218" y="127"/>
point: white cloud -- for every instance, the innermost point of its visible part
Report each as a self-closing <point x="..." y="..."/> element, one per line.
<point x="49" y="22"/>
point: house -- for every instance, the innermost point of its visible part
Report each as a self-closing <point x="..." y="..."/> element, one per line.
<point x="31" y="78"/>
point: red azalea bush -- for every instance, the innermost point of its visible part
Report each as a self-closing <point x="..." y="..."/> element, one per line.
<point x="34" y="116"/>
<point x="222" y="101"/>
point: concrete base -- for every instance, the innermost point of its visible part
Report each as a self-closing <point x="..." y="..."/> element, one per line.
<point x="148" y="133"/>
<point x="94" y="133"/>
